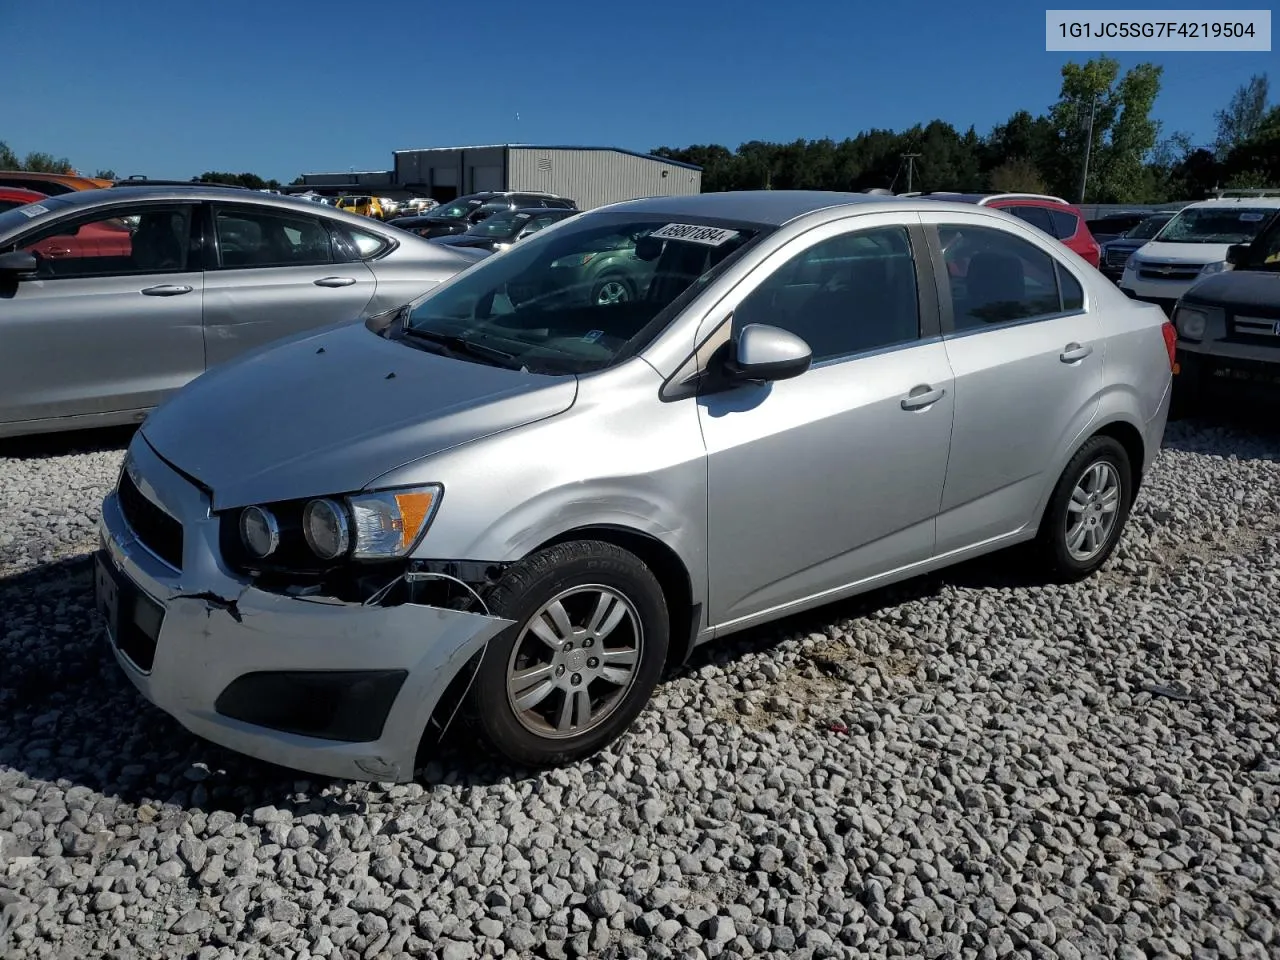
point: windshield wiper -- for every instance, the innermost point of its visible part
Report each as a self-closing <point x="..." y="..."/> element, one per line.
<point x="460" y="346"/>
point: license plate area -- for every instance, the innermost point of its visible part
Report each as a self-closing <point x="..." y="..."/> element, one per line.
<point x="132" y="618"/>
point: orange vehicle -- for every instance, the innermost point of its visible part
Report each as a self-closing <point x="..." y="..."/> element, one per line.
<point x="51" y="184"/>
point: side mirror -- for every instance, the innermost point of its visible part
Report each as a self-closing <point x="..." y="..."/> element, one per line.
<point x="764" y="353"/>
<point x="1238" y="254"/>
<point x="18" y="265"/>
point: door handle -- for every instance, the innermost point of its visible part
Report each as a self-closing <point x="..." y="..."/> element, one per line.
<point x="335" y="281"/>
<point x="166" y="290"/>
<point x="921" y="397"/>
<point x="1074" y="353"/>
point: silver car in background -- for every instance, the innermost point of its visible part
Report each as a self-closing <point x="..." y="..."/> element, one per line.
<point x="110" y="300"/>
<point x="522" y="508"/>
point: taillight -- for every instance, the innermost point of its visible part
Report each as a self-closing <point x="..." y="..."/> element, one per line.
<point x="1170" y="343"/>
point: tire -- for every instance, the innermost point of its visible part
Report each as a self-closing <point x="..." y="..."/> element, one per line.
<point x="1101" y="458"/>
<point x="612" y="281"/>
<point x="519" y="664"/>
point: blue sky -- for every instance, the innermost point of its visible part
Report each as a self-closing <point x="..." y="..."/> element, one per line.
<point x="278" y="87"/>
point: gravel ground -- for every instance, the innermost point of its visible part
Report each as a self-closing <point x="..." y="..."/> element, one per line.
<point x="967" y="766"/>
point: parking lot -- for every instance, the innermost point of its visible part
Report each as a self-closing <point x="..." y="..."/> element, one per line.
<point x="968" y="765"/>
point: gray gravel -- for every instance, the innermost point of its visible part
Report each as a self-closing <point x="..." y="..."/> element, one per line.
<point x="968" y="766"/>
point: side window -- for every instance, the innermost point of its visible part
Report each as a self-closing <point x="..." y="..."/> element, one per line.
<point x="1065" y="223"/>
<point x="353" y="244"/>
<point x="121" y="242"/>
<point x="1266" y="249"/>
<point x="262" y="238"/>
<point x="1038" y="217"/>
<point x="845" y="295"/>
<point x="996" y="277"/>
<point x="1072" y="292"/>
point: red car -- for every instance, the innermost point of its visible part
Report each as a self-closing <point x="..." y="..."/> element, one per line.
<point x="1054" y="216"/>
<point x="11" y="197"/>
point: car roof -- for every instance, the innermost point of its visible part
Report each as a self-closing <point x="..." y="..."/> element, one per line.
<point x="772" y="207"/>
<point x="1269" y="202"/>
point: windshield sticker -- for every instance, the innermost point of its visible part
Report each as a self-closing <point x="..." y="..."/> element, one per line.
<point x="692" y="233"/>
<point x="593" y="335"/>
<point x="1250" y="217"/>
<point x="32" y="210"/>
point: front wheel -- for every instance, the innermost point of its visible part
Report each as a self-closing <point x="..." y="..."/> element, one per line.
<point x="610" y="290"/>
<point x="1087" y="511"/>
<point x="578" y="665"/>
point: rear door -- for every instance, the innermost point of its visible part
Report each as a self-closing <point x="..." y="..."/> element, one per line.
<point x="111" y="323"/>
<point x="1027" y="354"/>
<point x="274" y="272"/>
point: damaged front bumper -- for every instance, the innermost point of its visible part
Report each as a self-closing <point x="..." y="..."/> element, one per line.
<point x="312" y="683"/>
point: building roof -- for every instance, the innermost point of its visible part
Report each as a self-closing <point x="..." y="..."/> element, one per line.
<point x="544" y="146"/>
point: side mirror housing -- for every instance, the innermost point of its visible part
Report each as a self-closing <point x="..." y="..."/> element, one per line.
<point x="1238" y="254"/>
<point x="18" y="265"/>
<point x="764" y="354"/>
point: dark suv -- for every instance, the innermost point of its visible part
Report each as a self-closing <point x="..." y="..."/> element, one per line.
<point x="457" y="216"/>
<point x="1229" y="326"/>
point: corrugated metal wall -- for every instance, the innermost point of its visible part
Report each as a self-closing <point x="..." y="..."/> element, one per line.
<point x="596" y="177"/>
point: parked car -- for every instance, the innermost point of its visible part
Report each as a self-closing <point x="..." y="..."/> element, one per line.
<point x="1113" y="225"/>
<point x="457" y="216"/>
<point x="1193" y="245"/>
<point x="50" y="184"/>
<point x="316" y="553"/>
<point x="11" y="197"/>
<point x="1229" y="327"/>
<point x="1116" y="252"/>
<point x="504" y="228"/>
<point x="415" y="206"/>
<point x="113" y="299"/>
<point x="362" y="206"/>
<point x="1054" y="216"/>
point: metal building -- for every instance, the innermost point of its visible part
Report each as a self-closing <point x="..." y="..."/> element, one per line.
<point x="590" y="176"/>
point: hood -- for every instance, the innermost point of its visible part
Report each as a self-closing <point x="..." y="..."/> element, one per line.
<point x="462" y="240"/>
<point x="1252" y="290"/>
<point x="1183" y="252"/>
<point x="330" y="412"/>
<point x="1123" y="243"/>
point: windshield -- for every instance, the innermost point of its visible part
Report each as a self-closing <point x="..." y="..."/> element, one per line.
<point x="454" y="210"/>
<point x="500" y="225"/>
<point x="581" y="297"/>
<point x="1215" y="225"/>
<point x="1146" y="229"/>
<point x="19" y="217"/>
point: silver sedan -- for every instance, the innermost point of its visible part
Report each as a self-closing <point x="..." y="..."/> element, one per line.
<point x="519" y="503"/>
<point x="111" y="300"/>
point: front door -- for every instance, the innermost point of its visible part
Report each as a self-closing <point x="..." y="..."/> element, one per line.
<point x="1027" y="357"/>
<point x="834" y="477"/>
<point x="112" y="321"/>
<point x="276" y="274"/>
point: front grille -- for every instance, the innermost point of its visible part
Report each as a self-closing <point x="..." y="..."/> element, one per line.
<point x="1117" y="258"/>
<point x="155" y="529"/>
<point x="1172" y="272"/>
<point x="1268" y="327"/>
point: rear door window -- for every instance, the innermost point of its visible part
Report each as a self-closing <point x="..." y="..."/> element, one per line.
<point x="1036" y="216"/>
<point x="1065" y="223"/>
<point x="121" y="241"/>
<point x="269" y="238"/>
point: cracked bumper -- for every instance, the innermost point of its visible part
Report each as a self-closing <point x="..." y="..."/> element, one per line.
<point x="203" y="645"/>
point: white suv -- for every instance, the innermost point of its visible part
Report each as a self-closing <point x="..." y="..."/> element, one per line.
<point x="1193" y="245"/>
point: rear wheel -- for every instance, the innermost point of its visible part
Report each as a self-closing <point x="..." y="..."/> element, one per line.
<point x="1087" y="511"/>
<point x="585" y="652"/>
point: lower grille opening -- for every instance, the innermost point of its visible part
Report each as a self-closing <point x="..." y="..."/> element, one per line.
<point x="344" y="705"/>
<point x="155" y="529"/>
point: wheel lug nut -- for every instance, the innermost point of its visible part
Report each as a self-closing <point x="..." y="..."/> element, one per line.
<point x="576" y="679"/>
<point x="568" y="646"/>
<point x="593" y="663"/>
<point x="587" y="642"/>
<point x="560" y="671"/>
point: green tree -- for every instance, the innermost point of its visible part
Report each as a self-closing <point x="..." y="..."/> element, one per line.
<point x="250" y="180"/>
<point x="107" y="174"/>
<point x="8" y="159"/>
<point x="1018" y="175"/>
<point x="46" y="163"/>
<point x="1244" y="114"/>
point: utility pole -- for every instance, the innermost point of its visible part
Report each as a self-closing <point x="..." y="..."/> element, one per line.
<point x="911" y="167"/>
<point x="1088" y="148"/>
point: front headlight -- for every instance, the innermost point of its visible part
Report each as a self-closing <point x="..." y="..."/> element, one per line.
<point x="326" y="528"/>
<point x="259" y="532"/>
<point x="389" y="524"/>
<point x="1191" y="323"/>
<point x="1217" y="267"/>
<point x="1131" y="264"/>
